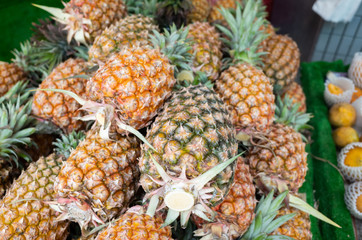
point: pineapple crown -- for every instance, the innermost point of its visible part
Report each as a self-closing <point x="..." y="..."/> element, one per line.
<point x="265" y="222"/>
<point x="19" y="92"/>
<point x="16" y="126"/>
<point x="286" y="112"/>
<point x="172" y="12"/>
<point x="243" y="37"/>
<point x="147" y="8"/>
<point x="175" y="45"/>
<point x="51" y="41"/>
<point x="187" y="78"/>
<point x="66" y="143"/>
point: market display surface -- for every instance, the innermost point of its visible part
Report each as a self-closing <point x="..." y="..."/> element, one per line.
<point x="174" y="119"/>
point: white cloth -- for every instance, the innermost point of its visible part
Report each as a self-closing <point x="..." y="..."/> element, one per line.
<point x="336" y="10"/>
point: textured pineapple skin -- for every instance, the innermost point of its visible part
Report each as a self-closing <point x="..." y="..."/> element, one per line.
<point x="136" y="226"/>
<point x="7" y="174"/>
<point x="101" y="172"/>
<point x="281" y="64"/>
<point x="125" y="32"/>
<point x="101" y="13"/>
<point x="136" y="81"/>
<point x="199" y="12"/>
<point x="206" y="49"/>
<point x="33" y="219"/>
<point x="289" y="163"/>
<point x="295" y="92"/>
<point x="215" y="15"/>
<point x="57" y="107"/>
<point x="194" y="131"/>
<point x="297" y="228"/>
<point x="249" y="94"/>
<point x="236" y="211"/>
<point x="9" y="75"/>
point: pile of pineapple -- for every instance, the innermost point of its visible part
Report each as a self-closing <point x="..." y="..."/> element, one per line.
<point x="173" y="119"/>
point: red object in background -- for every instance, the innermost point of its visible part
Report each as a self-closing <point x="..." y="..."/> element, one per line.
<point x="268" y="4"/>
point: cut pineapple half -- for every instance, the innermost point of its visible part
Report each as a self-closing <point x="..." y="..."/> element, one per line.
<point x="350" y="161"/>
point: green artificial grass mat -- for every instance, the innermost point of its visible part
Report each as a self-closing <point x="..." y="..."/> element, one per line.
<point x="328" y="184"/>
<point x="16" y="18"/>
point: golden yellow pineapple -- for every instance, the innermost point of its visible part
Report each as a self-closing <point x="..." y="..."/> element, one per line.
<point x="136" y="224"/>
<point x="297" y="228"/>
<point x="199" y="11"/>
<point x="86" y="19"/>
<point x="10" y="74"/>
<point x="282" y="159"/>
<point x="236" y="212"/>
<point x="215" y="15"/>
<point x="124" y="33"/>
<point x="99" y="179"/>
<point x="23" y="213"/>
<point x="295" y="92"/>
<point x="191" y="136"/>
<point x="58" y="107"/>
<point x="281" y="64"/>
<point x="243" y="86"/>
<point x="206" y="49"/>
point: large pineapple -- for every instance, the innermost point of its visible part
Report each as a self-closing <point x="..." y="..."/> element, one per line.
<point x="98" y="180"/>
<point x="24" y="212"/>
<point x="136" y="224"/>
<point x="236" y="212"/>
<point x="243" y="86"/>
<point x="86" y="19"/>
<point x="297" y="228"/>
<point x="192" y="135"/>
<point x="58" y="107"/>
<point x="124" y="33"/>
<point x="206" y="49"/>
<point x="281" y="64"/>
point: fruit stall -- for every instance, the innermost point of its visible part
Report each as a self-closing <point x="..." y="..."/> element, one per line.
<point x="181" y="119"/>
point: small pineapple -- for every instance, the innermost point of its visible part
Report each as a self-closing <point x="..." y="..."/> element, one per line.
<point x="192" y="136"/>
<point x="281" y="64"/>
<point x="295" y="92"/>
<point x="243" y="86"/>
<point x="24" y="212"/>
<point x="206" y="49"/>
<point x="10" y="74"/>
<point x="236" y="212"/>
<point x="86" y="19"/>
<point x="297" y="228"/>
<point x="58" y="107"/>
<point x="98" y="180"/>
<point x="136" y="224"/>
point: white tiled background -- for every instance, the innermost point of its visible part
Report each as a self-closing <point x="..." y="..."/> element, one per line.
<point x="339" y="40"/>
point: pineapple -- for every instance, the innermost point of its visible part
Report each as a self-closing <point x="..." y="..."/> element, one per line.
<point x="10" y="74"/>
<point x="173" y="12"/>
<point x="206" y="49"/>
<point x="295" y="92"/>
<point x="236" y="212"/>
<point x="193" y="138"/>
<point x="281" y="64"/>
<point x="215" y="15"/>
<point x="199" y="11"/>
<point x="283" y="157"/>
<point x="57" y="107"/>
<point x="124" y="33"/>
<point x="24" y="212"/>
<point x="297" y="228"/>
<point x="98" y="180"/>
<point x="86" y="19"/>
<point x="136" y="224"/>
<point x="16" y="127"/>
<point x="243" y="86"/>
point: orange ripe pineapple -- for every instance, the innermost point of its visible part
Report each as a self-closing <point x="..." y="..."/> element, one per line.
<point x="86" y="19"/>
<point x="206" y="49"/>
<point x="98" y="180"/>
<point x="243" y="86"/>
<point x="10" y="74"/>
<point x="236" y="212"/>
<point x="295" y="92"/>
<point x="58" y="107"/>
<point x="136" y="224"/>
